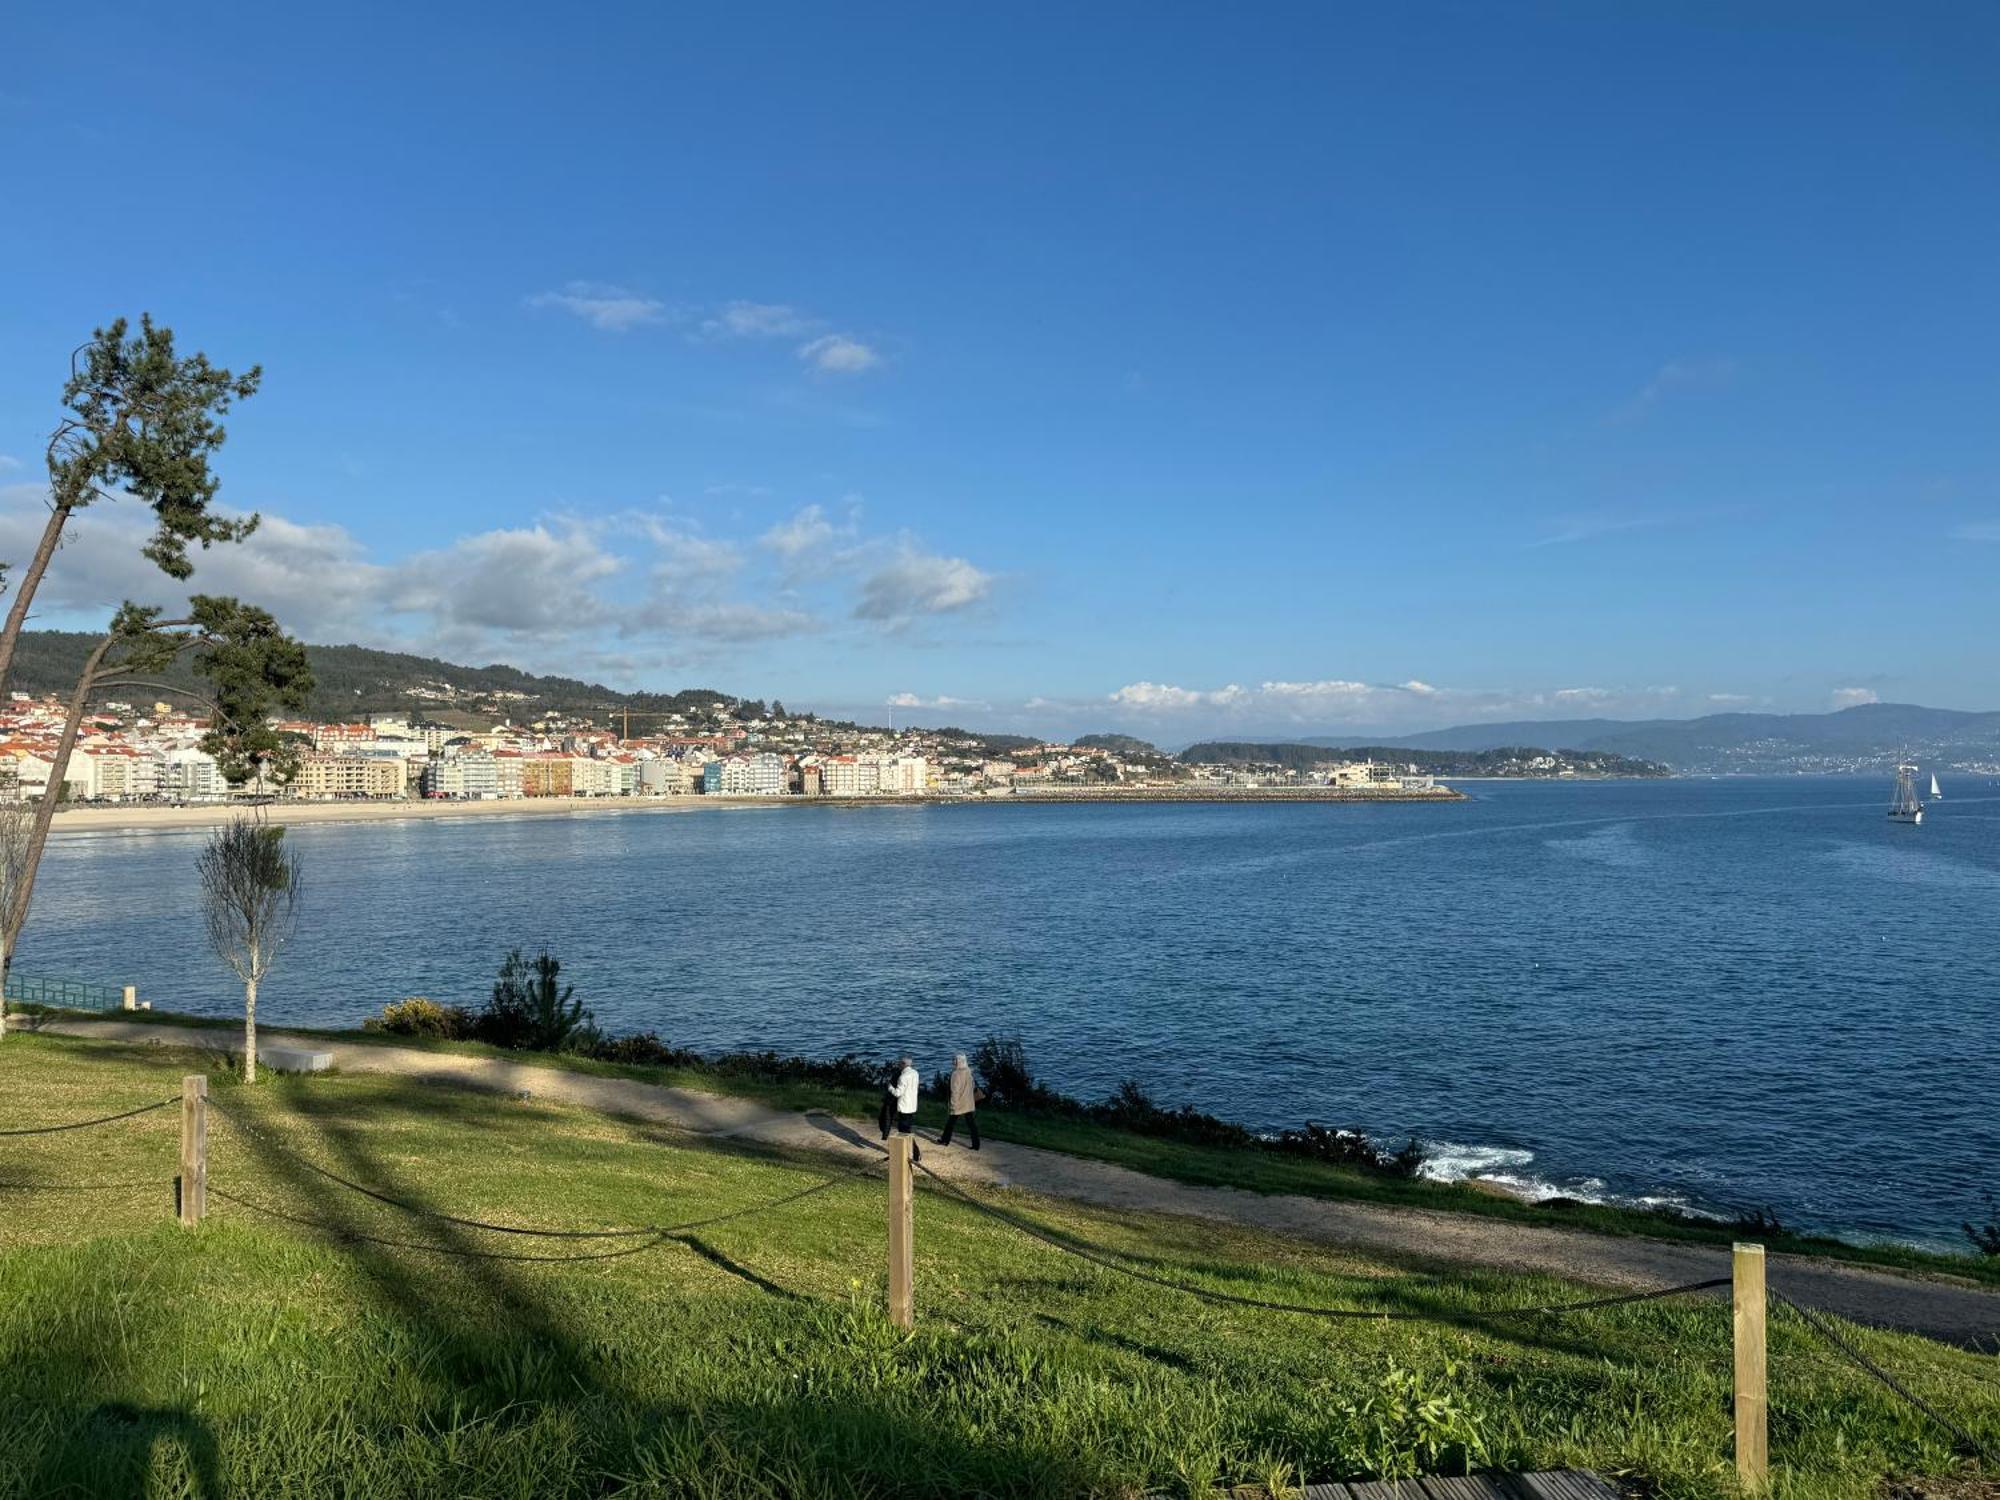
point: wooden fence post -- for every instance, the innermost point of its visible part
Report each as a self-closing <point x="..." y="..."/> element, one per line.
<point x="194" y="1149"/>
<point x="1753" y="1443"/>
<point x="902" y="1304"/>
<point x="131" y="997"/>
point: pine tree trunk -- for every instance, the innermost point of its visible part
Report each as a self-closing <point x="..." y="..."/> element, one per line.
<point x="249" y="1031"/>
<point x="45" y="810"/>
<point x="25" y="586"/>
<point x="3" y="980"/>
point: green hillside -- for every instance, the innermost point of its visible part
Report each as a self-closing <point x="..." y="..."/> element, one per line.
<point x="353" y="680"/>
<point x="310" y="1340"/>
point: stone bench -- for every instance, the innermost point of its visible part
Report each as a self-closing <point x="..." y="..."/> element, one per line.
<point x="294" y="1059"/>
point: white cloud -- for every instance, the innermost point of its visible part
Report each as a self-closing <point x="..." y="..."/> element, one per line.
<point x="1729" y="700"/>
<point x="1673" y="377"/>
<point x="560" y="594"/>
<point x="942" y="700"/>
<point x="1854" y="697"/>
<point x="756" y="320"/>
<point x="1584" y="695"/>
<point x="838" y="354"/>
<point x="806" y="532"/>
<point x="914" y="582"/>
<point x="1346" y="704"/>
<point x="611" y="308"/>
<point x="1585" y="526"/>
<point x="8" y="463"/>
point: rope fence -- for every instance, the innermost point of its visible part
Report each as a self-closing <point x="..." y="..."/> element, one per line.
<point x="1747" y="1279"/>
<point x="1100" y="1255"/>
<point x="144" y="1109"/>
<point x="1819" y="1325"/>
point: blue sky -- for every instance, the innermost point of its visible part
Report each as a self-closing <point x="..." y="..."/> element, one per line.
<point x="1172" y="368"/>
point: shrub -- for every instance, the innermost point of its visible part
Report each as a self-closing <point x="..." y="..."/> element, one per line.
<point x="1348" y="1148"/>
<point x="531" y="1008"/>
<point x="420" y="1016"/>
<point x="1132" y="1108"/>
<point x="1001" y="1065"/>
<point x="645" y="1049"/>
<point x="1986" y="1237"/>
<point x="1414" y="1423"/>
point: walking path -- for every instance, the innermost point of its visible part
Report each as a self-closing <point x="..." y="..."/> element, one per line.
<point x="1958" y="1312"/>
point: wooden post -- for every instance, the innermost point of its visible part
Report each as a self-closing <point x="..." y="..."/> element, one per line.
<point x="1753" y="1443"/>
<point x="902" y="1306"/>
<point x="194" y="1148"/>
<point x="131" y="997"/>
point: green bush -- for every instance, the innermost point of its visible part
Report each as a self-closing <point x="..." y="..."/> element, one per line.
<point x="420" y="1016"/>
<point x="1415" y="1422"/>
<point x="532" y="1009"/>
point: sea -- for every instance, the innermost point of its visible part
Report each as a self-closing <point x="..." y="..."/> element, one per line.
<point x="1720" y="995"/>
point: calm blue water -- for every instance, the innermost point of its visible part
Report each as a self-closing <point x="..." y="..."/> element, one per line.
<point x="1721" y="993"/>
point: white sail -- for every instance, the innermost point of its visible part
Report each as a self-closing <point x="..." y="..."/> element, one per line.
<point x="1934" y="786"/>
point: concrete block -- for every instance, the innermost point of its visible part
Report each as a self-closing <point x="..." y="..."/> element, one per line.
<point x="294" y="1059"/>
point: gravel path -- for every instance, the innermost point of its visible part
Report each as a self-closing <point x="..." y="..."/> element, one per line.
<point x="1958" y="1312"/>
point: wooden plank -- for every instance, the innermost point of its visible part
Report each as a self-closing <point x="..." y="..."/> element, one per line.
<point x="1386" y="1489"/>
<point x="1474" y="1487"/>
<point x="902" y="1302"/>
<point x="194" y="1148"/>
<point x="1327" y="1492"/>
<point x="1753" y="1444"/>
<point x="1567" y="1484"/>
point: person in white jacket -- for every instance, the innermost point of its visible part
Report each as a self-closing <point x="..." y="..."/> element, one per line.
<point x="906" y="1088"/>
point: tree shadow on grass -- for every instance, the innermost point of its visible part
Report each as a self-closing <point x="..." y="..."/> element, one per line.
<point x="505" y="1352"/>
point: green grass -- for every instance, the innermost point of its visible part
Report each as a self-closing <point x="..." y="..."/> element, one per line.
<point x="254" y="1356"/>
<point x="1202" y="1166"/>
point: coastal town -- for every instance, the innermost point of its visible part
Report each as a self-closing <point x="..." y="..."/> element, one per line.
<point x="151" y="753"/>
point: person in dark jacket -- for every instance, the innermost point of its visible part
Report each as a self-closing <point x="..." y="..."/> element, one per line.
<point x="964" y="1101"/>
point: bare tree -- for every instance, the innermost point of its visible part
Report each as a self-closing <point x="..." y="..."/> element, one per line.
<point x="17" y="833"/>
<point x="250" y="896"/>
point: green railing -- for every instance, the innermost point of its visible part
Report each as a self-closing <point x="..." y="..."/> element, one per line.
<point x="64" y="994"/>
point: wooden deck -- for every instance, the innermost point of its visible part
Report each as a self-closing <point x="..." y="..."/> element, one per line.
<point x="1569" y="1484"/>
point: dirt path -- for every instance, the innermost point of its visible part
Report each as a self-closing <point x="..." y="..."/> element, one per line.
<point x="1958" y="1312"/>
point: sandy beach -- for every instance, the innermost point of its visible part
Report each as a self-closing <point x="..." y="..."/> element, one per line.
<point x="110" y="819"/>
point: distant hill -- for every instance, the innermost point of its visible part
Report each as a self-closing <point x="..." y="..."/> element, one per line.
<point x="1121" y="744"/>
<point x="1868" y="736"/>
<point x="353" y="680"/>
<point x="1502" y="760"/>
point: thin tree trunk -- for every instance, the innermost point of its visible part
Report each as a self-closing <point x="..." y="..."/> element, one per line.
<point x="24" y="590"/>
<point x="3" y="982"/>
<point x="45" y="810"/>
<point x="249" y="1031"/>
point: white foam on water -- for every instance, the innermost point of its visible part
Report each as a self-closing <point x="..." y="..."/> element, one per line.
<point x="1453" y="1161"/>
<point x="1458" y="1161"/>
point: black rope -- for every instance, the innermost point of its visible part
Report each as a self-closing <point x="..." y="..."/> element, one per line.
<point x="1832" y="1335"/>
<point x="1100" y="1256"/>
<point x="662" y="1235"/>
<point x="74" y="1187"/>
<point x="342" y="1232"/>
<point x="144" y="1109"/>
<point x="432" y="1213"/>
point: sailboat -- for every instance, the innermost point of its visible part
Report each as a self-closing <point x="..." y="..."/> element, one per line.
<point x="1936" y="795"/>
<point x="1905" y="808"/>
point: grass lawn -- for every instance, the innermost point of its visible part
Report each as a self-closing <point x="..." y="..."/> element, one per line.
<point x="749" y="1358"/>
<point x="1203" y="1166"/>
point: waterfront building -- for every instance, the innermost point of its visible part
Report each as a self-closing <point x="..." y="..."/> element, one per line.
<point x="325" y="775"/>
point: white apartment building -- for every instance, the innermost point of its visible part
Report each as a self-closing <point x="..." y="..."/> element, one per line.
<point x="472" y="775"/>
<point x="594" y="778"/>
<point x="191" y="775"/>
